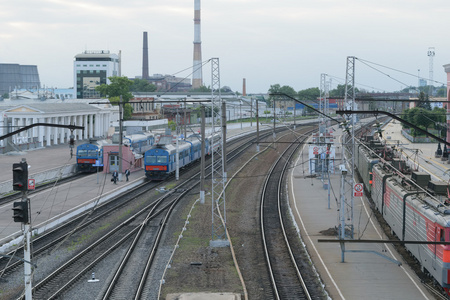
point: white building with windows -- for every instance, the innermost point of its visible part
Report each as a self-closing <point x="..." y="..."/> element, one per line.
<point x="91" y="69"/>
<point x="95" y="118"/>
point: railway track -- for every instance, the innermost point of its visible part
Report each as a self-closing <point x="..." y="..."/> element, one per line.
<point x="285" y="275"/>
<point x="52" y="237"/>
<point x="52" y="284"/>
<point x="128" y="232"/>
<point x="121" y="287"/>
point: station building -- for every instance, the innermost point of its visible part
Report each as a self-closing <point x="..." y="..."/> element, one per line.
<point x="96" y="119"/>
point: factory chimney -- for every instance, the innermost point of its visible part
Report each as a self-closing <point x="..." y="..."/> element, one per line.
<point x="244" y="91"/>
<point x="197" y="80"/>
<point x="145" y="57"/>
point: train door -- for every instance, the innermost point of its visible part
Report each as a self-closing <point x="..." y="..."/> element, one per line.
<point x="113" y="163"/>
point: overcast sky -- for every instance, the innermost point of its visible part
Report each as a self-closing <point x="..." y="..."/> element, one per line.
<point x="289" y="42"/>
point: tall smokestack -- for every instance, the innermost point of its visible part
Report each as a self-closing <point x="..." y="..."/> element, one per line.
<point x="197" y="80"/>
<point x="145" y="57"/>
<point x="244" y="88"/>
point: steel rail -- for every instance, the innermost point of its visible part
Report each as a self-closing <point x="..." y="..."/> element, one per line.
<point x="268" y="258"/>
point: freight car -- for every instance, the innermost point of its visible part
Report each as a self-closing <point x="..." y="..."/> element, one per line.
<point x="415" y="208"/>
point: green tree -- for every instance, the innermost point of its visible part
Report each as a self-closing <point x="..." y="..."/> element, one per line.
<point x="142" y="85"/>
<point x="202" y="89"/>
<point x="277" y="89"/>
<point x="274" y="89"/>
<point x="172" y="125"/>
<point x="441" y="92"/>
<point x="424" y="101"/>
<point x="423" y="118"/>
<point x="339" y="91"/>
<point x="127" y="108"/>
<point x="439" y="115"/>
<point x="119" y="86"/>
<point x="309" y="94"/>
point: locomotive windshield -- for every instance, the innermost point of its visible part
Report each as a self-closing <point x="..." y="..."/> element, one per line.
<point x="152" y="159"/>
<point x="82" y="152"/>
<point x="90" y="153"/>
<point x="161" y="159"/>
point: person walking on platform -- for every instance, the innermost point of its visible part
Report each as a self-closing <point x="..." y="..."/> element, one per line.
<point x="127" y="173"/>
<point x="115" y="175"/>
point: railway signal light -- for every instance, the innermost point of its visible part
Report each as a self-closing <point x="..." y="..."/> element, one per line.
<point x="20" y="176"/>
<point x="72" y="141"/>
<point x="20" y="212"/>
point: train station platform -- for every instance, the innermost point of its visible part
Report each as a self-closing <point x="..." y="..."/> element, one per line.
<point x="419" y="155"/>
<point x="363" y="274"/>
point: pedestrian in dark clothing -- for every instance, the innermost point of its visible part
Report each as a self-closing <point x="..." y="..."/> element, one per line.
<point x="127" y="173"/>
<point x="115" y="175"/>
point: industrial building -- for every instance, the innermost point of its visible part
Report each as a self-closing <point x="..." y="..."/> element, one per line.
<point x="14" y="76"/>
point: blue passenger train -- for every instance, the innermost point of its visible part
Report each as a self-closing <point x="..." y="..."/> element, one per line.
<point x="160" y="160"/>
<point x="89" y="153"/>
<point x="87" y="156"/>
<point x="140" y="142"/>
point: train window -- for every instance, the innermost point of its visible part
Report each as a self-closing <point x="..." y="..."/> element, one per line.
<point x="442" y="235"/>
<point x="92" y="153"/>
<point x="161" y="159"/>
<point x="82" y="152"/>
<point x="150" y="159"/>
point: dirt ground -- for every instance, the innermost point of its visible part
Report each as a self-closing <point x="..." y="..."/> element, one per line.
<point x="197" y="267"/>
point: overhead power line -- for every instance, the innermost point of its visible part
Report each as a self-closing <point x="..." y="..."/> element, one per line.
<point x="366" y="62"/>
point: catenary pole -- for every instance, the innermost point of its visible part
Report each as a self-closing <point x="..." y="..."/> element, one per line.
<point x="202" y="160"/>
<point x="121" y="137"/>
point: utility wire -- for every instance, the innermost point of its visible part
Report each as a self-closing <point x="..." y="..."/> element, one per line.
<point x="174" y="86"/>
<point x="400" y="71"/>
<point x="384" y="74"/>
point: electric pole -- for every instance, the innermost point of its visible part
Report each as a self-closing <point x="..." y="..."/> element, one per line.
<point x="218" y="175"/>
<point x="121" y="137"/>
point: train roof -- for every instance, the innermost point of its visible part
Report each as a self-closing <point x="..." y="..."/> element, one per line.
<point x="434" y="206"/>
<point x="95" y="143"/>
<point x="171" y="147"/>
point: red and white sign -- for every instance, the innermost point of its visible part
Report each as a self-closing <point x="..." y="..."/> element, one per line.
<point x="316" y="150"/>
<point x="31" y="184"/>
<point x="358" y="190"/>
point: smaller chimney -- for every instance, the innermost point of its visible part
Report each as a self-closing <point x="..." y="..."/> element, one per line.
<point x="145" y="57"/>
<point x="244" y="92"/>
